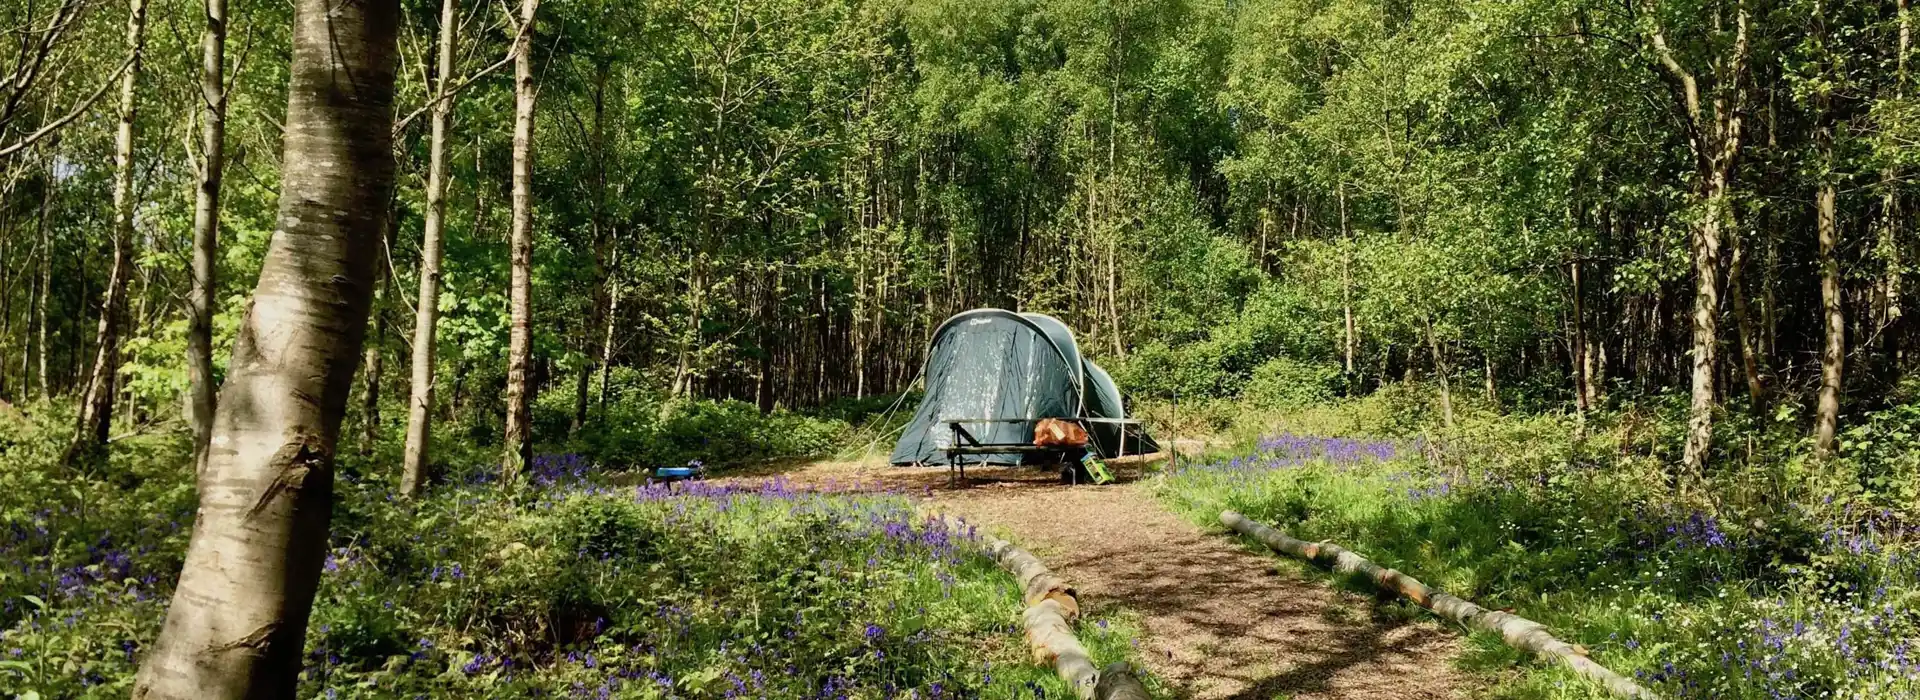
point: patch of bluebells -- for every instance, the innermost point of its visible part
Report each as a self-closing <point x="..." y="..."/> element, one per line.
<point x="1841" y="643"/>
<point x="1683" y="531"/>
<point x="1288" y="450"/>
<point x="397" y="602"/>
<point x="1718" y="607"/>
<point x="124" y="556"/>
<point x="543" y="471"/>
<point x="859" y="538"/>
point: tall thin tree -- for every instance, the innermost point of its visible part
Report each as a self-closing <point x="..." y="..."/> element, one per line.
<point x="1833" y="348"/>
<point x="206" y="227"/>
<point x="413" y="461"/>
<point x="238" y="621"/>
<point x="46" y="279"/>
<point x="518" y="438"/>
<point x="96" y="417"/>
<point x="1713" y="116"/>
<point x="373" y="367"/>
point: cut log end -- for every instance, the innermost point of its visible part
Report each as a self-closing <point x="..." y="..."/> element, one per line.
<point x="1119" y="682"/>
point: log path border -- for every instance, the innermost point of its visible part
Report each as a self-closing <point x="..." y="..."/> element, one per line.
<point x="1518" y="632"/>
<point x="1052" y="605"/>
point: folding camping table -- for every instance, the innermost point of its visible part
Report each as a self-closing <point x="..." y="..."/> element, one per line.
<point x="964" y="443"/>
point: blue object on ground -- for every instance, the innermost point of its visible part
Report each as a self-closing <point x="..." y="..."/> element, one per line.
<point x="676" y="472"/>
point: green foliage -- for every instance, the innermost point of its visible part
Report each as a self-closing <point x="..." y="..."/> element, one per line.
<point x="634" y="433"/>
<point x="1740" y="592"/>
<point x="569" y="586"/>
<point x="1272" y="324"/>
<point x="1879" y="457"/>
<point x="1283" y="382"/>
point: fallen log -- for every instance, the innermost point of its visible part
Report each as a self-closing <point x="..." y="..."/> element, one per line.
<point x="1048" y="619"/>
<point x="1518" y="632"/>
<point x="1118" y="682"/>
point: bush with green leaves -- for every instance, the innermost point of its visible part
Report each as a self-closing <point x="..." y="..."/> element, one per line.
<point x="1284" y="382"/>
<point x="637" y="433"/>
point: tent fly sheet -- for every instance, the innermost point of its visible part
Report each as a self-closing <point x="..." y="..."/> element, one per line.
<point x="989" y="364"/>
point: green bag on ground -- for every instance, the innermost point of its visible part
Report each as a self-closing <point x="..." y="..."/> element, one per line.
<point x="1097" y="468"/>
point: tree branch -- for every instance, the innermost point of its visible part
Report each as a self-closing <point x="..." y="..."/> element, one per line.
<point x="464" y="83"/>
<point x="27" y="72"/>
<point x="1689" y="87"/>
<point x="86" y="104"/>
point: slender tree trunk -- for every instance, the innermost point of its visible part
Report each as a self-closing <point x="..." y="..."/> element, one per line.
<point x="1889" y="244"/>
<point x="683" y="372"/>
<point x="606" y="342"/>
<point x="1750" y="359"/>
<point x="1888" y="286"/>
<point x="1715" y="142"/>
<point x="1266" y="222"/>
<point x="1440" y="371"/>
<point x="857" y="330"/>
<point x="518" y="439"/>
<point x="1833" y="353"/>
<point x="426" y="316"/>
<point x="374" y="362"/>
<point x="238" y="622"/>
<point x="1706" y="310"/>
<point x="7" y="280"/>
<point x="46" y="280"/>
<point x="457" y="403"/>
<point x="1493" y="391"/>
<point x="582" y="384"/>
<point x="1113" y="293"/>
<point x="30" y="269"/>
<point x="206" y="228"/>
<point x="600" y="248"/>
<point x="97" y="406"/>
<point x="1581" y="390"/>
<point x="1350" y="342"/>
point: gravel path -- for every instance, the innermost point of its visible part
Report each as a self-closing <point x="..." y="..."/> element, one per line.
<point x="1220" y="621"/>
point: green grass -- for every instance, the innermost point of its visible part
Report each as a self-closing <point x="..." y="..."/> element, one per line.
<point x="1732" y="592"/>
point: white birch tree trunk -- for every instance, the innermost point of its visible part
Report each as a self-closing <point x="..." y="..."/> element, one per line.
<point x="238" y="620"/>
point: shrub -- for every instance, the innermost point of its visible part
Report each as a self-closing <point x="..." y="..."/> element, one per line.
<point x="716" y="433"/>
<point x="1282" y="383"/>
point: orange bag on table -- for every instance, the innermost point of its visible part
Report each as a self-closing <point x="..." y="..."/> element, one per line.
<point x="1054" y="432"/>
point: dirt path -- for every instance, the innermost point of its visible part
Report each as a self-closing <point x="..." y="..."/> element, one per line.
<point x="1220" y="622"/>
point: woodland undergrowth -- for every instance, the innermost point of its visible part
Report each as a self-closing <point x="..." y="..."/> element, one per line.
<point x="565" y="586"/>
<point x="1774" y="575"/>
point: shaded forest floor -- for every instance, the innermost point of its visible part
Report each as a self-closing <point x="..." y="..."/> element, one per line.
<point x="1218" y="621"/>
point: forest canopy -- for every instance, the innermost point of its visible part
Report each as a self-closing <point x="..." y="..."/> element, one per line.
<point x="776" y="201"/>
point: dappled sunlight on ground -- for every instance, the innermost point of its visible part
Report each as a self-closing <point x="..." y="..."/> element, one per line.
<point x="1220" y="621"/>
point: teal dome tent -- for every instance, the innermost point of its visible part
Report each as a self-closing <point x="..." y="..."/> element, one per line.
<point x="998" y="364"/>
